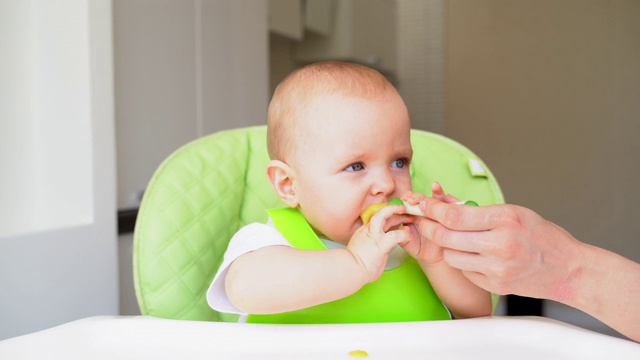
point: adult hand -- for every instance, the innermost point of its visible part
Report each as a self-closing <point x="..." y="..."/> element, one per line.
<point x="505" y="249"/>
<point x="508" y="249"/>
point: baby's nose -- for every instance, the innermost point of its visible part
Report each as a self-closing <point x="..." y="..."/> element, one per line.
<point x="383" y="183"/>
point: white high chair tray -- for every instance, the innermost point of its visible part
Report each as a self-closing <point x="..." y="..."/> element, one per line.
<point x="152" y="338"/>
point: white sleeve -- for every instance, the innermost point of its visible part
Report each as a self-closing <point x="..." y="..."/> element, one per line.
<point x="249" y="238"/>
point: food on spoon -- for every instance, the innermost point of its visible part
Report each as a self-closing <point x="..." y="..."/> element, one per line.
<point x="368" y="212"/>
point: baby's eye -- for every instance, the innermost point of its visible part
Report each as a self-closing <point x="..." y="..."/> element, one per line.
<point x="399" y="163"/>
<point x="355" y="167"/>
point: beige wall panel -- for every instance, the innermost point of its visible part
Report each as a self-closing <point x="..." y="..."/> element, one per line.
<point x="546" y="92"/>
<point x="155" y="92"/>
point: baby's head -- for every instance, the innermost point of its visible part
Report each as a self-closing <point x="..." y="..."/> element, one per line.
<point x="302" y="87"/>
<point x="338" y="135"/>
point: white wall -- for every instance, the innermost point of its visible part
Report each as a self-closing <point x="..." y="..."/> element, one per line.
<point x="57" y="190"/>
<point x="183" y="69"/>
<point x="45" y="72"/>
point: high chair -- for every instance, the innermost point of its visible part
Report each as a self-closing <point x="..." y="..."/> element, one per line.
<point x="209" y="188"/>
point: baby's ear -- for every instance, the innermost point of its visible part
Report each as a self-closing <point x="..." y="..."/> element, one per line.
<point x="281" y="177"/>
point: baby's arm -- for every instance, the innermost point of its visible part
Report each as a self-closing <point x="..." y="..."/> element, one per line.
<point x="463" y="298"/>
<point x="276" y="279"/>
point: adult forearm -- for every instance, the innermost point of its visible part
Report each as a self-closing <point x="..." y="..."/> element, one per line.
<point x="509" y="249"/>
<point x="607" y="286"/>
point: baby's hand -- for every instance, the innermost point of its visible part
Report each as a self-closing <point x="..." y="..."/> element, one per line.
<point x="420" y="247"/>
<point x="438" y="193"/>
<point x="371" y="243"/>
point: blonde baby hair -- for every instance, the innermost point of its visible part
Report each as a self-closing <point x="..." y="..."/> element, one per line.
<point x="300" y="87"/>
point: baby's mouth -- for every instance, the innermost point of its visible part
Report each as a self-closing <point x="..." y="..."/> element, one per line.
<point x="368" y="212"/>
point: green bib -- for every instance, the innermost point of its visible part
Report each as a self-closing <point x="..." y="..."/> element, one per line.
<point x="400" y="294"/>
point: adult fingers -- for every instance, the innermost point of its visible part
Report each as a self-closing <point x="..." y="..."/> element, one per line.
<point x="487" y="273"/>
<point x="483" y="281"/>
<point x="473" y="242"/>
<point x="478" y="269"/>
<point x="465" y="261"/>
<point x="467" y="218"/>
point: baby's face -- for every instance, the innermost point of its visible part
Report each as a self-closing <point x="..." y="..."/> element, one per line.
<point x="351" y="152"/>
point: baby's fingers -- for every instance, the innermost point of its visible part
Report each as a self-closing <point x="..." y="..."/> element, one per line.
<point x="384" y="219"/>
<point x="438" y="193"/>
<point x="395" y="237"/>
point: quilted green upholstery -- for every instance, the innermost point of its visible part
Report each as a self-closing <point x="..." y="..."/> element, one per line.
<point x="209" y="188"/>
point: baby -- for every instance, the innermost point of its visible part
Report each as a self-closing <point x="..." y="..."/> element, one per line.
<point x="338" y="135"/>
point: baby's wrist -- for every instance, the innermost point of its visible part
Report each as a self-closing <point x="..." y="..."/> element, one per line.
<point x="358" y="269"/>
<point x="433" y="265"/>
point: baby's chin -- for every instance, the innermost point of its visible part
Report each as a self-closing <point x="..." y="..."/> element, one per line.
<point x="343" y="242"/>
<point x="339" y="238"/>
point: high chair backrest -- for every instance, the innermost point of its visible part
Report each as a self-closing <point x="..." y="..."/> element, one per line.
<point x="209" y="188"/>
